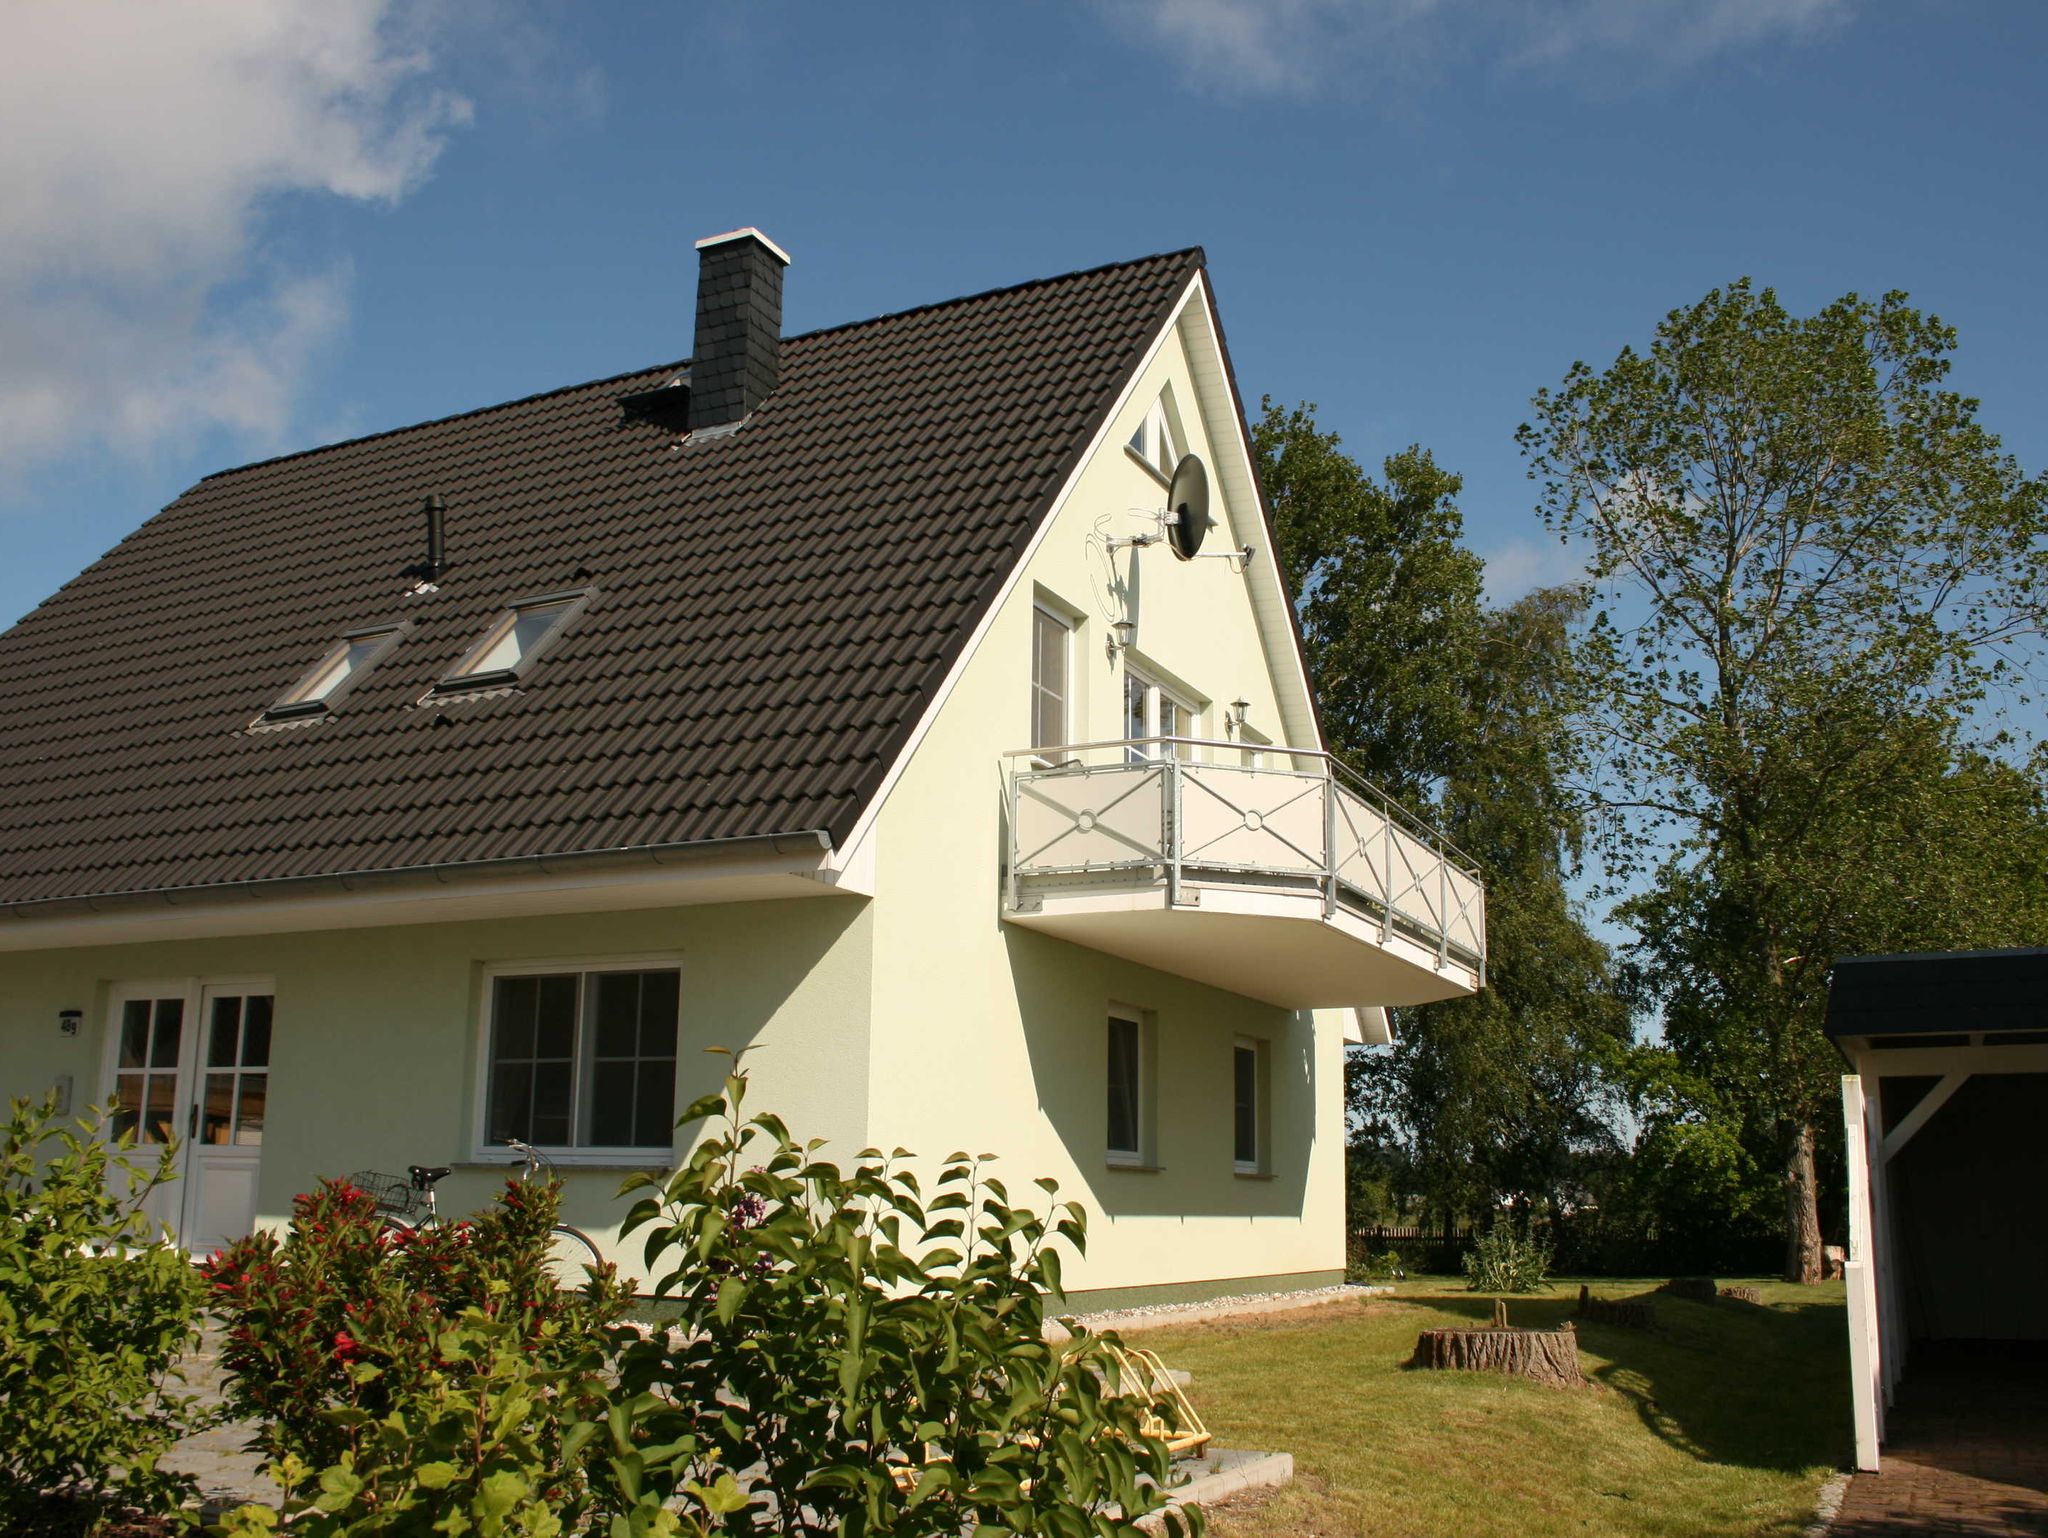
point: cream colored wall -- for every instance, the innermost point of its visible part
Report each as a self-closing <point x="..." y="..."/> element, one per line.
<point x="992" y="1038"/>
<point x="374" y="1059"/>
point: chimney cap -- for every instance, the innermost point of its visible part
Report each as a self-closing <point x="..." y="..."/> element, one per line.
<point x="742" y="234"/>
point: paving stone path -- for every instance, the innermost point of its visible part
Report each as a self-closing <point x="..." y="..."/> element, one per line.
<point x="1966" y="1449"/>
<point x="227" y="1475"/>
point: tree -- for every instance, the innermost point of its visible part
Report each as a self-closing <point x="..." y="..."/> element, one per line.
<point x="1457" y="711"/>
<point x="1816" y="574"/>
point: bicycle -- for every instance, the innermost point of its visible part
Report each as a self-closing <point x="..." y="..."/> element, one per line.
<point x="409" y="1205"/>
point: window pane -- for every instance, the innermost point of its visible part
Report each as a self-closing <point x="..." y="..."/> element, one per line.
<point x="128" y="1103"/>
<point x="170" y="1032"/>
<point x="611" y="1104"/>
<point x="519" y="637"/>
<point x="551" y="1104"/>
<point x="256" y="1031"/>
<point x="512" y="1012"/>
<point x="511" y="1112"/>
<point x="660" y="994"/>
<point x="225" y="1037"/>
<point x="1048" y="680"/>
<point x="1123" y="1086"/>
<point x="255" y="1090"/>
<point x="1247" y="1105"/>
<point x="217" y="1114"/>
<point x="555" y="1022"/>
<point x="618" y="1013"/>
<point x="654" y="1114"/>
<point x="159" y="1112"/>
<point x="134" y="1032"/>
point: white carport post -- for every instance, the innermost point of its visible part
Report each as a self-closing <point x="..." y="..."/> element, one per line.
<point x="1866" y="1344"/>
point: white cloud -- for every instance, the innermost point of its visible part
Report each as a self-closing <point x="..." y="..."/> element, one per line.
<point x="140" y="147"/>
<point x="1302" y="47"/>
<point x="1521" y="566"/>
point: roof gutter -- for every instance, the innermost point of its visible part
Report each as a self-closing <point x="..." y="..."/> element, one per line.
<point x="567" y="862"/>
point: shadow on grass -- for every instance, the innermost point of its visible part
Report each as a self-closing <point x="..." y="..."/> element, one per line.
<point x="1763" y="1387"/>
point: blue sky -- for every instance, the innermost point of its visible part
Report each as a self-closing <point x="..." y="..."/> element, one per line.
<point x="256" y="228"/>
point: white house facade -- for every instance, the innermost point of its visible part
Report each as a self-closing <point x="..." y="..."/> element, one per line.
<point x="844" y="698"/>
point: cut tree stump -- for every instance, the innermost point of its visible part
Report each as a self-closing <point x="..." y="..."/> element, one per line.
<point x="1548" y="1356"/>
<point x="1743" y="1294"/>
<point x="1630" y="1313"/>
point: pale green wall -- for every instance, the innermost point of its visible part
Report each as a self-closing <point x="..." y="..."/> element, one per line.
<point x="993" y="1038"/>
<point x="374" y="1059"/>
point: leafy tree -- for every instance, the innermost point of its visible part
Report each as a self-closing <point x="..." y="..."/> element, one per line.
<point x="1457" y="711"/>
<point x="1814" y="571"/>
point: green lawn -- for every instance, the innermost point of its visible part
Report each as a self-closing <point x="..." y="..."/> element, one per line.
<point x="1725" y="1419"/>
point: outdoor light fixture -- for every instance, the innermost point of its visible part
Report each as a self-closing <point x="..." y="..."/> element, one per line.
<point x="69" y="1020"/>
<point x="1239" y="709"/>
<point x="1123" y="633"/>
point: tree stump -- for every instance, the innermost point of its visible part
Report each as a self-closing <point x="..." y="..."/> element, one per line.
<point x="1694" y="1289"/>
<point x="1630" y="1313"/>
<point x="1548" y="1356"/>
<point x="1744" y="1295"/>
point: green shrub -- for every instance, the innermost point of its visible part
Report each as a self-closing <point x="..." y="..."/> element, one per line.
<point x="95" y="1309"/>
<point x="1500" y="1261"/>
<point x="343" y="1322"/>
<point x="854" y="1355"/>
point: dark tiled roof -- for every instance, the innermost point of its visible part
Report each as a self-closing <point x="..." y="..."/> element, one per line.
<point x="1938" y="992"/>
<point x="773" y="609"/>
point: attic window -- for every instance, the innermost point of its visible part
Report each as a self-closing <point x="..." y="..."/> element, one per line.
<point x="516" y="638"/>
<point x="335" y="674"/>
<point x="1154" y="443"/>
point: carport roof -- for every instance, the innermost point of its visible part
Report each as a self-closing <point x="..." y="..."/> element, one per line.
<point x="1937" y="991"/>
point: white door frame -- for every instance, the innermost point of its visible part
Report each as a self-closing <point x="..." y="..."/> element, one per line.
<point x="177" y="1208"/>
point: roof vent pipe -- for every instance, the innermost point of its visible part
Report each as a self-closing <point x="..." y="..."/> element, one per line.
<point x="738" y="353"/>
<point x="437" y="549"/>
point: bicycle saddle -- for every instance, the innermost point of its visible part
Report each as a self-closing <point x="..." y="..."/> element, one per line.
<point x="424" y="1175"/>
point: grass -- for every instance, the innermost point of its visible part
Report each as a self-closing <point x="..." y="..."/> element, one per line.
<point x="1724" y="1420"/>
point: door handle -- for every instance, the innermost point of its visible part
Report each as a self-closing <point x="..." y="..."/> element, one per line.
<point x="192" y="1122"/>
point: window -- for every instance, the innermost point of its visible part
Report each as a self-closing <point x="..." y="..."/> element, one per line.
<point x="581" y="1060"/>
<point x="1154" y="443"/>
<point x="146" y="1072"/>
<point x="1248" y="1061"/>
<point x="1254" y="745"/>
<point x="512" y="643"/>
<point x="1051" y="645"/>
<point x="335" y="673"/>
<point x="1126" y="1141"/>
<point x="1153" y="711"/>
<point x="237" y="1070"/>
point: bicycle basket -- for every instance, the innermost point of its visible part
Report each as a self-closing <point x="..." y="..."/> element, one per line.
<point x="392" y="1193"/>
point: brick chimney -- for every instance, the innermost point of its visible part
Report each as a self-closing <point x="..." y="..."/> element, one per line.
<point x="734" y="365"/>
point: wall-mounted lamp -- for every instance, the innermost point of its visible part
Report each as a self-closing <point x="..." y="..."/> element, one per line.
<point x="1122" y="633"/>
<point x="69" y="1020"/>
<point x="1235" y="719"/>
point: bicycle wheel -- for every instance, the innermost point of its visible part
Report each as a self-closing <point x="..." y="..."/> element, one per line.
<point x="571" y="1257"/>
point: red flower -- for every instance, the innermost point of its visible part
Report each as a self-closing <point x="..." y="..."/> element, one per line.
<point x="345" y="1347"/>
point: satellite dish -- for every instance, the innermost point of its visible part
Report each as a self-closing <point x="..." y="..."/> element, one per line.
<point x="1187" y="506"/>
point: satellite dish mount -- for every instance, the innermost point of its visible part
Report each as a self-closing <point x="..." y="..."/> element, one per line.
<point x="1185" y="522"/>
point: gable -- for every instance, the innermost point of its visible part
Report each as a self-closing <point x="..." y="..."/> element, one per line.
<point x="769" y="614"/>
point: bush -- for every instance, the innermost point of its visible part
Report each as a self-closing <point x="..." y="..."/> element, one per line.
<point x="343" y="1322"/>
<point x="95" y="1309"/>
<point x="1500" y="1261"/>
<point x="852" y="1355"/>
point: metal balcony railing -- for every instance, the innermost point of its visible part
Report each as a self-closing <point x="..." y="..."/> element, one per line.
<point x="1184" y="812"/>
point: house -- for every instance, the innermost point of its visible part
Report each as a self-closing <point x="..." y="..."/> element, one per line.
<point x="848" y="697"/>
<point x="1943" y="1110"/>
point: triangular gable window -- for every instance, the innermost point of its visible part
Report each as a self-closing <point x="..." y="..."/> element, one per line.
<point x="1154" y="441"/>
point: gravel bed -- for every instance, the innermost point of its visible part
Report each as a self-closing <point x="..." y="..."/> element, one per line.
<point x="1248" y="1302"/>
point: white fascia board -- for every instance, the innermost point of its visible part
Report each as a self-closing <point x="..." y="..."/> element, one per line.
<point x="1269" y="593"/>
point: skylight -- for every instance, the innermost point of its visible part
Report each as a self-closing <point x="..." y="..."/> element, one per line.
<point x="515" y="638"/>
<point x="335" y="673"/>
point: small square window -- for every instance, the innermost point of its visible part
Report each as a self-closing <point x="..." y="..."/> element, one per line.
<point x="515" y="639"/>
<point x="335" y="673"/>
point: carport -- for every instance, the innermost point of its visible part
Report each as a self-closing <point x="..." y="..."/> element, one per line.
<point x="1947" y="1119"/>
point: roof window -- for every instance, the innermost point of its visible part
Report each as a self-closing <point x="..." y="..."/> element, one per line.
<point x="321" y="689"/>
<point x="512" y="644"/>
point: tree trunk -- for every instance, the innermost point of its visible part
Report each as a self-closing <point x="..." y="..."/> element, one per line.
<point x="1548" y="1356"/>
<point x="1803" y="1259"/>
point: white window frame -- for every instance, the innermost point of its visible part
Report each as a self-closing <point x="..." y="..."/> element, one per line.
<point x="1254" y="745"/>
<point x="482" y="1150"/>
<point x="1259" y="1049"/>
<point x="1155" y="444"/>
<point x="1141" y="1156"/>
<point x="1155" y="692"/>
<point x="1066" y="692"/>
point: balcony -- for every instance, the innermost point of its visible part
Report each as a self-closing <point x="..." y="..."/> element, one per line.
<point x="1292" y="882"/>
